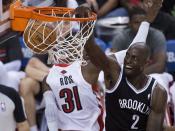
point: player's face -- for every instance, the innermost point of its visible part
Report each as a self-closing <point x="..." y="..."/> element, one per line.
<point x="133" y="62"/>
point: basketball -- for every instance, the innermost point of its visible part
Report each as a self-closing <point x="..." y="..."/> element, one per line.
<point x="39" y="37"/>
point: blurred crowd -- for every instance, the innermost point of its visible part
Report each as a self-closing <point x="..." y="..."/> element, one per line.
<point x="24" y="71"/>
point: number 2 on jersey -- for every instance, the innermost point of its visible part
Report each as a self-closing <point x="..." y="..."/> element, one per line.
<point x="135" y="118"/>
<point x="72" y="99"/>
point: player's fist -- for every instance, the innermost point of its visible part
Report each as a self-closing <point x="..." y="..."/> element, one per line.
<point x="83" y="11"/>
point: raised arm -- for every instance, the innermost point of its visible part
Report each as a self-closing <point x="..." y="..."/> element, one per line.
<point x="158" y="106"/>
<point x="151" y="7"/>
<point x="110" y="66"/>
<point x="97" y="56"/>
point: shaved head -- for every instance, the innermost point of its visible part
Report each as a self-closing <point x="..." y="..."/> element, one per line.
<point x="135" y="60"/>
<point x="142" y="48"/>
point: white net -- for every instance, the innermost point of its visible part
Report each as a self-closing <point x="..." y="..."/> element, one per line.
<point x="63" y="40"/>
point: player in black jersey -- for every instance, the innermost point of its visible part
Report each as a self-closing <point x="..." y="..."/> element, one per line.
<point x="134" y="101"/>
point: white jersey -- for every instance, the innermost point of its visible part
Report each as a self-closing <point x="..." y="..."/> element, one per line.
<point x="79" y="108"/>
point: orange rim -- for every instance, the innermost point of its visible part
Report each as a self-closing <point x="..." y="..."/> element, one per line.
<point x="43" y="14"/>
<point x="20" y="15"/>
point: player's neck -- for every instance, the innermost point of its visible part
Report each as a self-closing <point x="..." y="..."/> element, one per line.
<point x="138" y="81"/>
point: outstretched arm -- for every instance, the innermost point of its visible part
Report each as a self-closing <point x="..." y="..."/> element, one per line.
<point x="110" y="67"/>
<point x="97" y="56"/>
<point x="158" y="106"/>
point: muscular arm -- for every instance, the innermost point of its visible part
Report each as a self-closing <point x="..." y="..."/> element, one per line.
<point x="23" y="126"/>
<point x="108" y="6"/>
<point x="36" y="69"/>
<point x="158" y="106"/>
<point x="110" y="66"/>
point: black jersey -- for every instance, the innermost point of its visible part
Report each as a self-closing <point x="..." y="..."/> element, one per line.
<point x="127" y="109"/>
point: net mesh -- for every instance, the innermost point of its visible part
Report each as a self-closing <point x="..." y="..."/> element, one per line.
<point x="64" y="41"/>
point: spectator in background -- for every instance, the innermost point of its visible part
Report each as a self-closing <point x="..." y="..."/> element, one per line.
<point x="168" y="6"/>
<point x="10" y="52"/>
<point x="60" y="3"/>
<point x="66" y="3"/>
<point x="12" y="115"/>
<point x="164" y="21"/>
<point x="156" y="42"/>
<point x="30" y="87"/>
<point x="10" y="57"/>
<point x="103" y="8"/>
<point x="131" y="3"/>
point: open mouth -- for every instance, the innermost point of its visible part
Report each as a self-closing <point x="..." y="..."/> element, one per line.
<point x="128" y="67"/>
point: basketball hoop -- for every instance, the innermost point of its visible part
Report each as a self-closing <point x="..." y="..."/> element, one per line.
<point x="53" y="30"/>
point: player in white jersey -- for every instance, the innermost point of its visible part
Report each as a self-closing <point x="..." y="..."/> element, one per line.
<point x="75" y="103"/>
